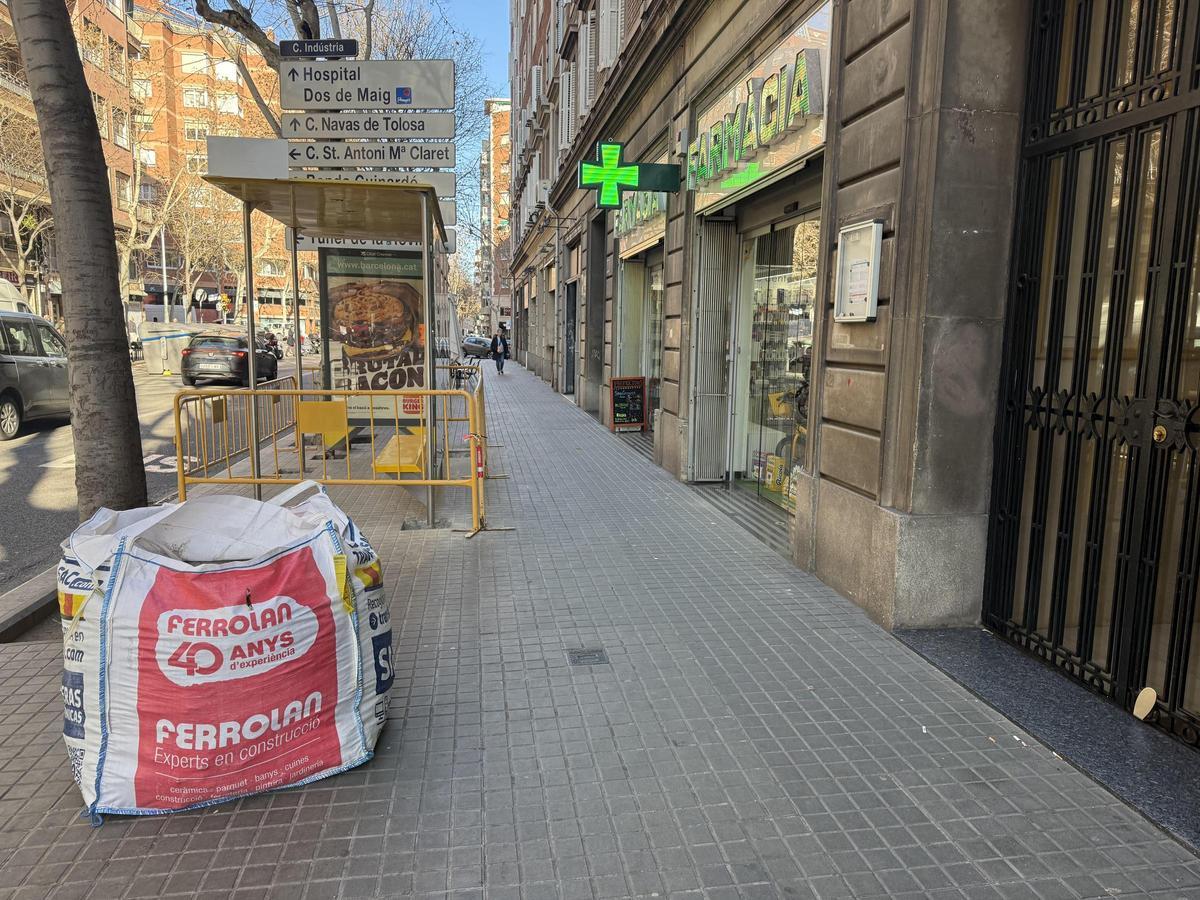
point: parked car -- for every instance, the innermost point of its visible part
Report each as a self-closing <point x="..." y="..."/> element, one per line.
<point x="225" y="357"/>
<point x="474" y="345"/>
<point x="11" y="299"/>
<point x="33" y="372"/>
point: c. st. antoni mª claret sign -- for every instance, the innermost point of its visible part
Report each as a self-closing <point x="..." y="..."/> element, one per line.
<point x="384" y="154"/>
<point x="610" y="175"/>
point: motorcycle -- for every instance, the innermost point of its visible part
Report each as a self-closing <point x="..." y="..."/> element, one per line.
<point x="272" y="344"/>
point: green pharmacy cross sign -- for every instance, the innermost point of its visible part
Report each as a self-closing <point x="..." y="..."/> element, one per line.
<point x="610" y="175"/>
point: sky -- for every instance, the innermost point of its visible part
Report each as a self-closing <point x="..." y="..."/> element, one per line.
<point x="488" y="19"/>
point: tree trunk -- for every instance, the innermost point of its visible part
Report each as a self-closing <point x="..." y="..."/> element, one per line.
<point x="104" y="419"/>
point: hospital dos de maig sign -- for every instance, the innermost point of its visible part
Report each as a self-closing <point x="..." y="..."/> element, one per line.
<point x="724" y="154"/>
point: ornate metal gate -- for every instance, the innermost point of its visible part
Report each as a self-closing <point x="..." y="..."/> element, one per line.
<point x="1094" y="555"/>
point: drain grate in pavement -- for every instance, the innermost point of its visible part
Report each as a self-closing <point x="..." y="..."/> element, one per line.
<point x="587" y="656"/>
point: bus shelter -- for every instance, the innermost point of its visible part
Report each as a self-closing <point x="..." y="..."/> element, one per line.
<point x="350" y="211"/>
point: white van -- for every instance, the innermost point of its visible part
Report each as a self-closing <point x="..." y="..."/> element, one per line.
<point x="11" y="299"/>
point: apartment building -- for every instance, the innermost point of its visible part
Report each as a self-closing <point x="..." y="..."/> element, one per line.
<point x="495" y="252"/>
<point x="108" y="41"/>
<point x="189" y="86"/>
<point x="927" y="296"/>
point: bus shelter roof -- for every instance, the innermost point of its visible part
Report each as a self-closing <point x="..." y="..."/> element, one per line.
<point x="358" y="210"/>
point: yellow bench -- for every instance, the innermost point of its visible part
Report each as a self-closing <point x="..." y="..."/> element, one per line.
<point x="404" y="453"/>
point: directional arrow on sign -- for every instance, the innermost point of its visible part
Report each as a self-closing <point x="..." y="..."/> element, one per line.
<point x="361" y="84"/>
<point x="378" y="154"/>
<point x="395" y="124"/>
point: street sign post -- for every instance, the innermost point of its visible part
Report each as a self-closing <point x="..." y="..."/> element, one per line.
<point x="374" y="84"/>
<point x="395" y="124"/>
<point x="381" y="154"/>
<point x="444" y="183"/>
<point x="309" y="49"/>
<point x="310" y="243"/>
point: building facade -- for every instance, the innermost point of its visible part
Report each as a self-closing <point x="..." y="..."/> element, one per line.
<point x="109" y="42"/>
<point x="161" y="81"/>
<point x="188" y="86"/>
<point x="495" y="253"/>
<point x="899" y="226"/>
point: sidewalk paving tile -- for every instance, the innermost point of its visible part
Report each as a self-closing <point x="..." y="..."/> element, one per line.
<point x="751" y="734"/>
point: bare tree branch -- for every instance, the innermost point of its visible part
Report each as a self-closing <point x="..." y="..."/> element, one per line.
<point x="239" y="20"/>
<point x="239" y="59"/>
<point x="309" y="25"/>
<point x="335" y="21"/>
<point x="368" y="29"/>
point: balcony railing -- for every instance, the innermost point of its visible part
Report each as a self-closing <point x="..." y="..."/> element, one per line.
<point x="12" y="84"/>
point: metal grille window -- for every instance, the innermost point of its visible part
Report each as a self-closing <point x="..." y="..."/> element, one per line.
<point x="1093" y="561"/>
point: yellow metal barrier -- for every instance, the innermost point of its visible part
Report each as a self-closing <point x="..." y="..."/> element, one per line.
<point x="216" y="430"/>
<point x="396" y="422"/>
<point x="463" y="376"/>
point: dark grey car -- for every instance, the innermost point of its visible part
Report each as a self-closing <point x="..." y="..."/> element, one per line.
<point x="33" y="372"/>
<point x="474" y="345"/>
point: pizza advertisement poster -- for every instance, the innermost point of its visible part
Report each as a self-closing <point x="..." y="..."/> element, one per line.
<point x="373" y="304"/>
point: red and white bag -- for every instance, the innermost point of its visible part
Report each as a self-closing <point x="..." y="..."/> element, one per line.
<point x="218" y="648"/>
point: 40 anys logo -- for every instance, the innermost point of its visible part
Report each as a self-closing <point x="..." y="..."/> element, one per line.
<point x="198" y="646"/>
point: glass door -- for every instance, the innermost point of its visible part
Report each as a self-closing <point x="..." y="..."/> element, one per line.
<point x="779" y="286"/>
<point x="652" y="352"/>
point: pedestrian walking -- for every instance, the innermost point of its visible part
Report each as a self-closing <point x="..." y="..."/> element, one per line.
<point x="499" y="351"/>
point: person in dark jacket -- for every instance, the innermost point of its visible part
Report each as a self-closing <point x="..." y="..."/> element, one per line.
<point x="499" y="351"/>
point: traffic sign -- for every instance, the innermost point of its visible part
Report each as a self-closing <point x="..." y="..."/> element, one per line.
<point x="373" y="84"/>
<point x="383" y="154"/>
<point x="308" y="49"/>
<point x="442" y="182"/>
<point x="310" y="243"/>
<point x="314" y="125"/>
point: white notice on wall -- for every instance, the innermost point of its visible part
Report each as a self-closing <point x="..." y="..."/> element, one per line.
<point x="856" y="295"/>
<point x="859" y="284"/>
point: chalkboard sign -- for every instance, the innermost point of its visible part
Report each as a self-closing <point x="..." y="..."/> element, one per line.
<point x="628" y="404"/>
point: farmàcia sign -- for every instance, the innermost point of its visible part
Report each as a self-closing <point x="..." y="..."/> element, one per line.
<point x="774" y="107"/>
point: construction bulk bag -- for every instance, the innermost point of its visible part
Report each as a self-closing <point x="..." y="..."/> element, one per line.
<point x="219" y="647"/>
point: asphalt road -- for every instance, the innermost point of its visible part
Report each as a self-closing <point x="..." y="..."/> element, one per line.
<point x="37" y="477"/>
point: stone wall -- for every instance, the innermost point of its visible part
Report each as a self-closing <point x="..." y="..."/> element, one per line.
<point x="924" y="137"/>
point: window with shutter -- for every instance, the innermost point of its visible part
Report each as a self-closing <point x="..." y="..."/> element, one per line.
<point x="593" y="29"/>
<point x="585" y="57"/>
<point x="612" y="18"/>
<point x="604" y="49"/>
<point x="564" y="109"/>
<point x="537" y="88"/>
<point x="572" y="100"/>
